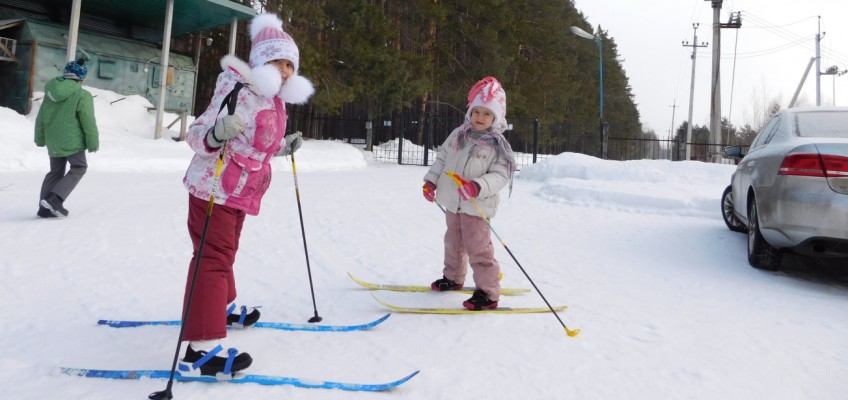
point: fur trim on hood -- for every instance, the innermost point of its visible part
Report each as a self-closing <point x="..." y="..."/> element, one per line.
<point x="265" y="81"/>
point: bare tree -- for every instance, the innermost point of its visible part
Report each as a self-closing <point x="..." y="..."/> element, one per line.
<point x="763" y="105"/>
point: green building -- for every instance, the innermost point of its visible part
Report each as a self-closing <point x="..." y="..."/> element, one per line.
<point x="121" y="42"/>
<point x="120" y="65"/>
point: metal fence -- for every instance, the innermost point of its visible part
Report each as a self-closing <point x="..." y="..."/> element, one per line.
<point x="401" y="140"/>
<point x="522" y="135"/>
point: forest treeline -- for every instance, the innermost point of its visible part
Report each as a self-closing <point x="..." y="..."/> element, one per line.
<point x="372" y="60"/>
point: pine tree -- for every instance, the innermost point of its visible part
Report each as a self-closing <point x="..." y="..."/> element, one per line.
<point x="370" y="59"/>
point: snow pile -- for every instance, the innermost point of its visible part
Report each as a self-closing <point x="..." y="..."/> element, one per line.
<point x="652" y="186"/>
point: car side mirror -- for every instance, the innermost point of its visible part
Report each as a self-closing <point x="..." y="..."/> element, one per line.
<point x="733" y="152"/>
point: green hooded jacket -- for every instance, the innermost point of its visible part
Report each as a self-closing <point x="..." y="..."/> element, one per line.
<point x="65" y="122"/>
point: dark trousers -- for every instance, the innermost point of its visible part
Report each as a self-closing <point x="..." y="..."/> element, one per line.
<point x="216" y="285"/>
<point x="57" y="181"/>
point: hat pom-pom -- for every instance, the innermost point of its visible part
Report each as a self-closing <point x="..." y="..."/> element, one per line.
<point x="297" y="90"/>
<point x="263" y="21"/>
<point x="486" y="88"/>
<point x="267" y="80"/>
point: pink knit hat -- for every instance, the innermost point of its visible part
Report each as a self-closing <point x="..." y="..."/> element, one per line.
<point x="489" y="93"/>
<point x="270" y="42"/>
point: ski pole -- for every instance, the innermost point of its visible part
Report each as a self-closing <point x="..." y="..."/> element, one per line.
<point x="230" y="101"/>
<point x="459" y="182"/>
<point x="167" y="394"/>
<point x="316" y="318"/>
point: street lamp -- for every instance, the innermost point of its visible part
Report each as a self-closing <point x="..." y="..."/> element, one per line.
<point x="586" y="35"/>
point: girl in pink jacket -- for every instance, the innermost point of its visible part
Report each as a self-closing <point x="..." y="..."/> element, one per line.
<point x="478" y="152"/>
<point x="250" y="137"/>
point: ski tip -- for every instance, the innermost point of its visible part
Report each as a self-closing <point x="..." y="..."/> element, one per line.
<point x="406" y="378"/>
<point x="572" y="333"/>
<point x="358" y="281"/>
<point x="387" y="305"/>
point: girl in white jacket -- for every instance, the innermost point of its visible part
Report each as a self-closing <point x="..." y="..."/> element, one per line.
<point x="478" y="152"/>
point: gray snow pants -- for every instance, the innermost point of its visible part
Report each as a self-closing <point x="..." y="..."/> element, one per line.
<point x="57" y="181"/>
<point x="468" y="240"/>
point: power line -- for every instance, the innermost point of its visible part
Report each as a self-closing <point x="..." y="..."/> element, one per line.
<point x="759" y="53"/>
<point x="778" y="30"/>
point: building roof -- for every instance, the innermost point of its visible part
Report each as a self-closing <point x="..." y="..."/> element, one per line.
<point x="146" y="18"/>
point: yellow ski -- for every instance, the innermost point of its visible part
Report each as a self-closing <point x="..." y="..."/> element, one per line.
<point x="500" y="310"/>
<point x="413" y="288"/>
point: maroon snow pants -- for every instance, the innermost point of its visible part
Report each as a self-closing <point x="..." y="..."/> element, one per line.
<point x="215" y="286"/>
<point x="467" y="239"/>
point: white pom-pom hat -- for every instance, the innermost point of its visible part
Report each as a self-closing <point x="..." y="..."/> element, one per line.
<point x="270" y="42"/>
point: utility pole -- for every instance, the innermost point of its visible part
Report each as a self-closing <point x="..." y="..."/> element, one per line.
<point x="715" y="93"/>
<point x="819" y="36"/>
<point x="671" y="132"/>
<point x="801" y="84"/>
<point x="694" y="46"/>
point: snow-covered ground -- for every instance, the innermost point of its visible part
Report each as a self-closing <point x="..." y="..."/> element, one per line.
<point x="663" y="294"/>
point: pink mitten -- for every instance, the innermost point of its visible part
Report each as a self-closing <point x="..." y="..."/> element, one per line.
<point x="468" y="189"/>
<point x="429" y="190"/>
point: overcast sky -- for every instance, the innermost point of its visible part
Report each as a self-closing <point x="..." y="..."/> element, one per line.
<point x="772" y="50"/>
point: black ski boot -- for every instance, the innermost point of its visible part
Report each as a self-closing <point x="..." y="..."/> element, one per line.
<point x="480" y="301"/>
<point x="246" y="317"/>
<point x="445" y="284"/>
<point x="196" y="363"/>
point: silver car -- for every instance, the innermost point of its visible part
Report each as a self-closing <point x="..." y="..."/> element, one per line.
<point x="790" y="191"/>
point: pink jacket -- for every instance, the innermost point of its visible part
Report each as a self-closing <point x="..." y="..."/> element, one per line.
<point x="246" y="172"/>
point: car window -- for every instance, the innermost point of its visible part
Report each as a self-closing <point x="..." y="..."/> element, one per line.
<point x="757" y="139"/>
<point x="775" y="129"/>
<point x="821" y="124"/>
<point x="765" y="134"/>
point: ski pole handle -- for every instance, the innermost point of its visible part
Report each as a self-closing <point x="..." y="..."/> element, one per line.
<point x="217" y="180"/>
<point x="456" y="178"/>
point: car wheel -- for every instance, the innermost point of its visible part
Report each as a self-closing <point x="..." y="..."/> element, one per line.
<point x="761" y="255"/>
<point x="733" y="223"/>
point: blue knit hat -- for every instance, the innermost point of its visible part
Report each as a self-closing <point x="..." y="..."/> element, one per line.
<point x="76" y="70"/>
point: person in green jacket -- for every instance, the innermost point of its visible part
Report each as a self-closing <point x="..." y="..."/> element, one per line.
<point x="65" y="124"/>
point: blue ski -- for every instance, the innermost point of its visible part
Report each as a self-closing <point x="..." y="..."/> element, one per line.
<point x="285" y="326"/>
<point x="259" y="379"/>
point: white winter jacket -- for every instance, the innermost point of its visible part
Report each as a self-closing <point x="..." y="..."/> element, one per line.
<point x="483" y="167"/>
